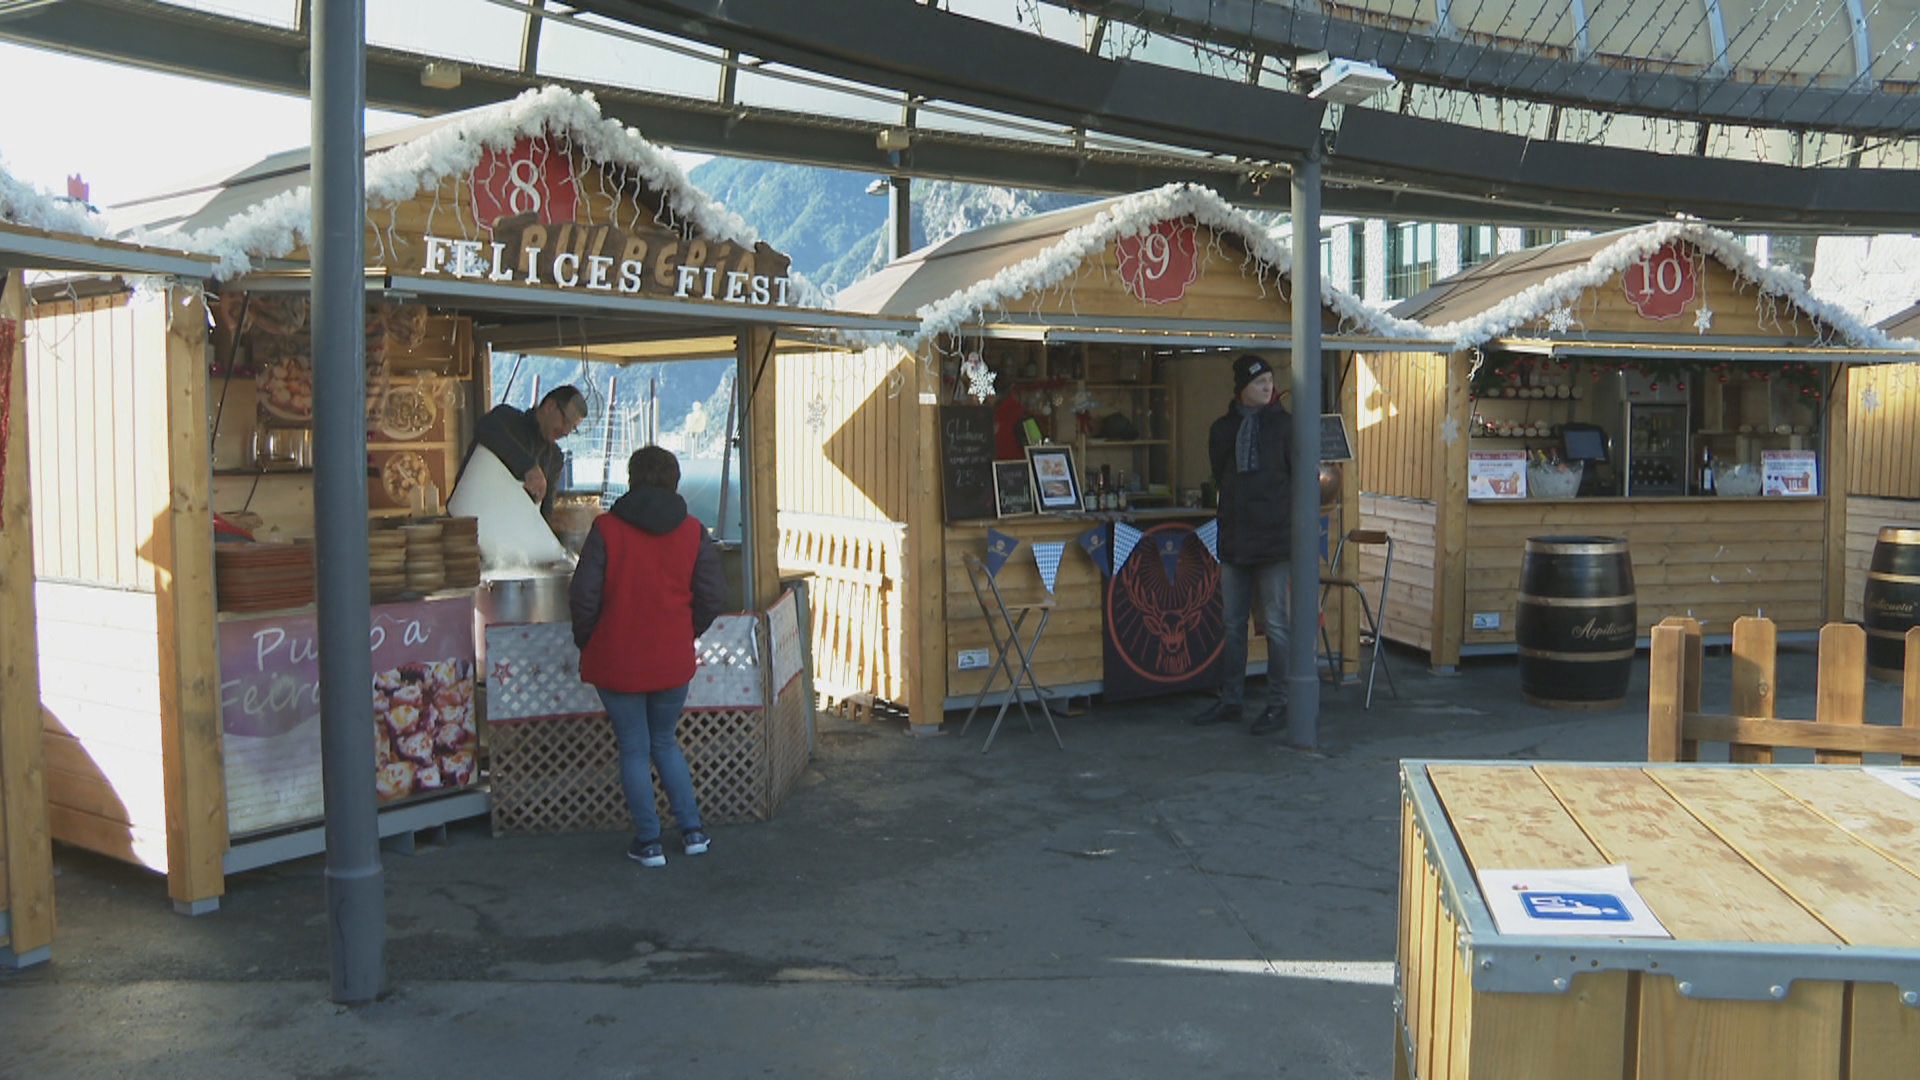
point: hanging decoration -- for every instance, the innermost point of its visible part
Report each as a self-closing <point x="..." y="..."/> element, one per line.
<point x="1000" y="547"/>
<point x="1209" y="535"/>
<point x="1094" y="543"/>
<point x="979" y="377"/>
<point x="1168" y="546"/>
<point x="1703" y="319"/>
<point x="1870" y="399"/>
<point x="1046" y="557"/>
<point x="1125" y="539"/>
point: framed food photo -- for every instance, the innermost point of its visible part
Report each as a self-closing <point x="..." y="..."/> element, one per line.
<point x="1056" y="483"/>
<point x="1012" y="488"/>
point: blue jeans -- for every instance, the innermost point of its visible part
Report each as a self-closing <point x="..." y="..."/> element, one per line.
<point x="1237" y="585"/>
<point x="643" y="725"/>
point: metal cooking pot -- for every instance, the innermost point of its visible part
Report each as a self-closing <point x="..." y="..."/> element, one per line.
<point x="538" y="597"/>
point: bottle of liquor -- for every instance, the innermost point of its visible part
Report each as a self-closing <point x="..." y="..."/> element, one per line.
<point x="1706" y="470"/>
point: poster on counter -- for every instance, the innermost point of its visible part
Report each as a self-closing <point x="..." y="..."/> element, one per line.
<point x="783" y="623"/>
<point x="1497" y="474"/>
<point x="1789" y="472"/>
<point x="421" y="719"/>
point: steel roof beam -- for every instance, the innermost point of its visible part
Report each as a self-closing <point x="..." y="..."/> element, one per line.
<point x="1291" y="29"/>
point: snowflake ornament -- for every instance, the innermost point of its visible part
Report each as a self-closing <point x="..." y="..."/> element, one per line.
<point x="979" y="377"/>
<point x="816" y="414"/>
<point x="1560" y="319"/>
<point x="1703" y="319"/>
<point x="1870" y="399"/>
<point x="1450" y="431"/>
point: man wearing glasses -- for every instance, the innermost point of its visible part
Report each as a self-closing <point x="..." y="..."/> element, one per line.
<point x="525" y="440"/>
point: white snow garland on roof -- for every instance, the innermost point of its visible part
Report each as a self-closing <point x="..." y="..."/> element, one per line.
<point x="272" y="229"/>
<point x="23" y="204"/>
<point x="1540" y="300"/>
<point x="1134" y="215"/>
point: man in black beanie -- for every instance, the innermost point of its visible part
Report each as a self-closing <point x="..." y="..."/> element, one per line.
<point x="1249" y="450"/>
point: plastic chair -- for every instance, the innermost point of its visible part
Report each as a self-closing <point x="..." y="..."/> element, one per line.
<point x="1371" y="612"/>
<point x="1007" y="623"/>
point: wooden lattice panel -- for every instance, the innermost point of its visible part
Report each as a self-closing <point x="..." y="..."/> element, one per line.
<point x="563" y="774"/>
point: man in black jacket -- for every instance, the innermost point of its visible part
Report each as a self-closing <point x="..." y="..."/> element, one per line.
<point x="525" y="441"/>
<point x="1249" y="450"/>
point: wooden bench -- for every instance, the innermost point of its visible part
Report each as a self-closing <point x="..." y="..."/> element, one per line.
<point x="1838" y="732"/>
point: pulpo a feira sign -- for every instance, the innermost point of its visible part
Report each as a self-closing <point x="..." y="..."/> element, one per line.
<point x="529" y="199"/>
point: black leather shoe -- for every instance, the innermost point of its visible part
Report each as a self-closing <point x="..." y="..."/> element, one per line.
<point x="1270" y="721"/>
<point x="1220" y="712"/>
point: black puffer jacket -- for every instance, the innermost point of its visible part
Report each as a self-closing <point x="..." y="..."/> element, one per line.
<point x="1255" y="507"/>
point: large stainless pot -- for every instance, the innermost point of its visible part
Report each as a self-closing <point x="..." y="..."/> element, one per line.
<point x="536" y="596"/>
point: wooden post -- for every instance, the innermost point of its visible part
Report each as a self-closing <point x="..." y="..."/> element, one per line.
<point x="1450" y="520"/>
<point x="1755" y="649"/>
<point x="1837" y="476"/>
<point x="179" y="480"/>
<point x="926" y="580"/>
<point x="1666" y="683"/>
<point x="1347" y="403"/>
<point x="1910" y="690"/>
<point x="1842" y="688"/>
<point x="26" y="845"/>
<point x="760" y="430"/>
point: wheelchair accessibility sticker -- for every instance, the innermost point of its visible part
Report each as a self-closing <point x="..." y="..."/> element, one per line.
<point x="1591" y="901"/>
<point x="1569" y="905"/>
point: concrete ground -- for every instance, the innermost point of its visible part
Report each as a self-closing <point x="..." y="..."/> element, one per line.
<point x="1156" y="900"/>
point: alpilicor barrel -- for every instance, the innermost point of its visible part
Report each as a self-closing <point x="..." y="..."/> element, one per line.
<point x="1577" y="621"/>
<point x="1892" y="600"/>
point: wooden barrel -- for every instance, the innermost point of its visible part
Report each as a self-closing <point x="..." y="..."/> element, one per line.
<point x="1577" y="622"/>
<point x="1892" y="600"/>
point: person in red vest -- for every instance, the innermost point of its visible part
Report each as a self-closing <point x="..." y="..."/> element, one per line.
<point x="647" y="585"/>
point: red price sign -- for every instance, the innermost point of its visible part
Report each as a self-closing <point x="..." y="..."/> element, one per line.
<point x="1159" y="264"/>
<point x="534" y="177"/>
<point x="1661" y="285"/>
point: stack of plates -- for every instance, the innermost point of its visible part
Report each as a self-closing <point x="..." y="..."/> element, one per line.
<point x="386" y="563"/>
<point x="460" y="546"/>
<point x="426" y="558"/>
<point x="262" y="577"/>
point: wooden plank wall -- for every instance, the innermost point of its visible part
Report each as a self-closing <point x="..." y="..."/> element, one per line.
<point x="1070" y="651"/>
<point x="1714" y="560"/>
<point x="1884" y="441"/>
<point x="844" y="418"/>
<point x="91" y="510"/>
<point x="1410" y="593"/>
<point x="1402" y="402"/>
<point x="1865" y="516"/>
<point x="100" y="693"/>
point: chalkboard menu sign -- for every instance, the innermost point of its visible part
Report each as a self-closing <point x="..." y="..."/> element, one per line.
<point x="966" y="461"/>
<point x="1334" y="444"/>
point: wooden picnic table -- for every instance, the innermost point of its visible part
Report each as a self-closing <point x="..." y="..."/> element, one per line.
<point x="1792" y="894"/>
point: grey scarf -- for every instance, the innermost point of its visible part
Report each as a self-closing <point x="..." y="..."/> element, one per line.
<point x="1246" y="443"/>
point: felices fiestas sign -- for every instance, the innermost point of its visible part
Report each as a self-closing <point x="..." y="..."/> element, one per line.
<point x="605" y="258"/>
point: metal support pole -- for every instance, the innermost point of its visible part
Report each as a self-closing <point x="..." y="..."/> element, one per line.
<point x="899" y="216"/>
<point x="356" y="900"/>
<point x="1303" y="679"/>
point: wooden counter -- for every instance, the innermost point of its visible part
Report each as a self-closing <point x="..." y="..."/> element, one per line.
<point x="1714" y="559"/>
<point x="1789" y="892"/>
